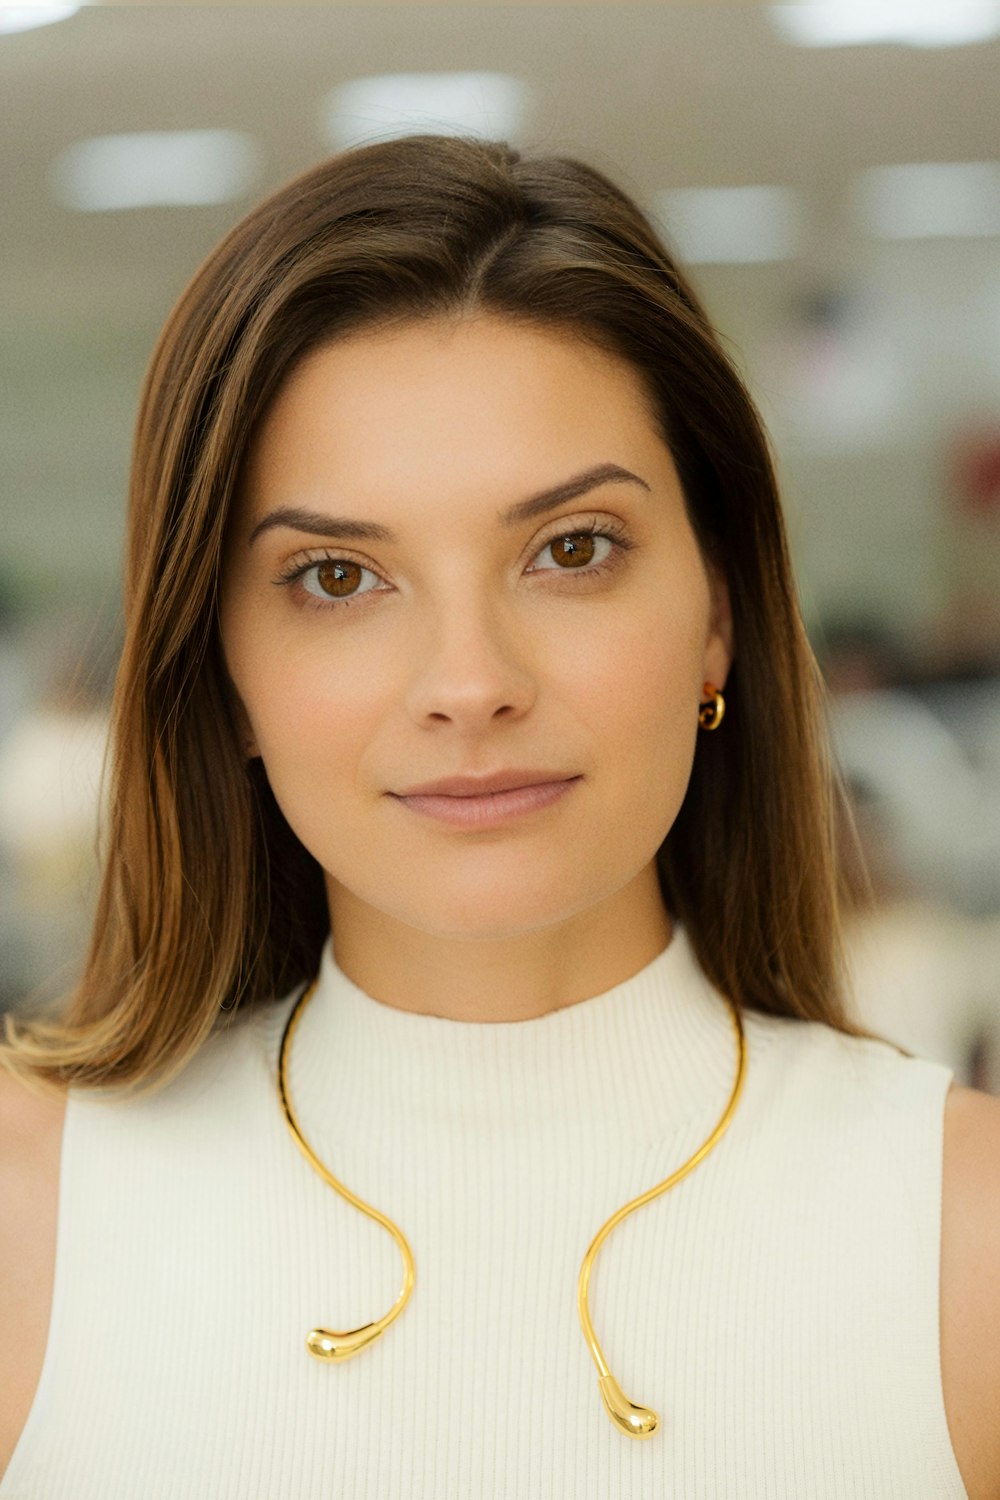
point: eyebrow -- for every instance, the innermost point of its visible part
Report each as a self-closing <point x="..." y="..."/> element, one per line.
<point x="316" y="523"/>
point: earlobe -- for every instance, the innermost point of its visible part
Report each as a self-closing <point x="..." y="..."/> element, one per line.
<point x="710" y="712"/>
<point x="249" y="744"/>
<point x="241" y="721"/>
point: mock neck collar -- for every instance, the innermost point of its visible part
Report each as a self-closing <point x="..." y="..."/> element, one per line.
<point x="645" y="1056"/>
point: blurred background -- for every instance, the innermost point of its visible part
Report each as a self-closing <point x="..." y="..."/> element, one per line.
<point x="829" y="171"/>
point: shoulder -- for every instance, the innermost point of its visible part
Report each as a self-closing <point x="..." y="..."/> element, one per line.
<point x="31" y="1128"/>
<point x="29" y="1119"/>
<point x="970" y="1286"/>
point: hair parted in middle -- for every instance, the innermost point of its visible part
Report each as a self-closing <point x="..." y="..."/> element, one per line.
<point x="208" y="900"/>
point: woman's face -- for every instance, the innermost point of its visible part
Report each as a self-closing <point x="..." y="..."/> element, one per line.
<point x="463" y="641"/>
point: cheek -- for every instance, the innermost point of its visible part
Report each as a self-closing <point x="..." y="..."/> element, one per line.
<point x="312" y="715"/>
<point x="308" y="709"/>
<point x="642" y="695"/>
<point x="314" y="724"/>
<point x="639" y="681"/>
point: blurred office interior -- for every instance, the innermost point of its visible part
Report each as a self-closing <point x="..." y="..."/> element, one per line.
<point x="830" y="173"/>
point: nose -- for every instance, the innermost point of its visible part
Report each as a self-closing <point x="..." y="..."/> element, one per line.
<point x="469" y="670"/>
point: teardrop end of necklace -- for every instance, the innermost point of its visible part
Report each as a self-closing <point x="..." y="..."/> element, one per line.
<point x="323" y="1343"/>
<point x="637" y="1421"/>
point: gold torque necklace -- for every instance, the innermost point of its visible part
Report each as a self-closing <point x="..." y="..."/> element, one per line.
<point x="322" y="1343"/>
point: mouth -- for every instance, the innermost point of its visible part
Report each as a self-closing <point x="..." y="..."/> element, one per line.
<point x="488" y="809"/>
<point x="479" y="785"/>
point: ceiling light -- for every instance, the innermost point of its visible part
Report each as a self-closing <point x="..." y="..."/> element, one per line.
<point x="915" y="23"/>
<point x="395" y="104"/>
<point x="930" y="199"/>
<point x="155" y="167"/>
<point x="733" y="225"/>
<point x="27" y="17"/>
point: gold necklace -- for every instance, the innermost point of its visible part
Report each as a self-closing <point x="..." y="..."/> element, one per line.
<point x="637" y="1421"/>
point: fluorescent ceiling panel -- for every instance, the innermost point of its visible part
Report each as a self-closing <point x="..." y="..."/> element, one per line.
<point x="395" y="104"/>
<point x="926" y="200"/>
<point x="155" y="167"/>
<point x="731" y="225"/>
<point x="914" y="23"/>
<point x="27" y="17"/>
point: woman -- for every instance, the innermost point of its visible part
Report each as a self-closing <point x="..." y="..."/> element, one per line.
<point x="444" y="487"/>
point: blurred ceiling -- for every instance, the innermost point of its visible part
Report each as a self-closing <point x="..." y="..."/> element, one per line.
<point x="866" y="355"/>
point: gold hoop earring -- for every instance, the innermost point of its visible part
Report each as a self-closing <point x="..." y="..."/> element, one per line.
<point x="710" y="714"/>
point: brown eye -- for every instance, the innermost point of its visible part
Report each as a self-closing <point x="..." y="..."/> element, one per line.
<point x="573" y="551"/>
<point x="338" y="578"/>
<point x="332" y="581"/>
<point x="576" y="548"/>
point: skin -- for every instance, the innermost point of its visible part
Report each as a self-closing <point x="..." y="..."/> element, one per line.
<point x="473" y="646"/>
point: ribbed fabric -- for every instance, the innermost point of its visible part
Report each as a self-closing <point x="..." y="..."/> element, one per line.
<point x="779" y="1307"/>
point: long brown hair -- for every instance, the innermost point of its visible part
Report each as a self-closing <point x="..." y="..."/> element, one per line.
<point x="208" y="902"/>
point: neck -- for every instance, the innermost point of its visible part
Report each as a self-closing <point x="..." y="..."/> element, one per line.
<point x="622" y="1065"/>
<point x="497" y="975"/>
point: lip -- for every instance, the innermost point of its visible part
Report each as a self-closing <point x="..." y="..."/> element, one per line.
<point x="492" y="808"/>
<point x="481" y="786"/>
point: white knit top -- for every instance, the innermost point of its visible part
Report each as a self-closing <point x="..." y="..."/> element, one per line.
<point x="778" y="1307"/>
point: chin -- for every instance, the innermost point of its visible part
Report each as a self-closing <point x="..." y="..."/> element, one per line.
<point x="495" y="915"/>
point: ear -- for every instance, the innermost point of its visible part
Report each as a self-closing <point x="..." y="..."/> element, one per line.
<point x="241" y="721"/>
<point x="248" y="741"/>
<point x="719" y="640"/>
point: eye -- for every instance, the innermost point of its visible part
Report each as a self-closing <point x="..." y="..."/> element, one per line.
<point x="574" y="551"/>
<point x="335" y="579"/>
<point x="326" y="580"/>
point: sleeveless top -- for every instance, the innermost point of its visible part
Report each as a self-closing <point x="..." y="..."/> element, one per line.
<point x="778" y="1307"/>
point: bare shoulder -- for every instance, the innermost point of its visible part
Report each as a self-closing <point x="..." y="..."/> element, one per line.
<point x="970" y="1286"/>
<point x="24" y="1113"/>
<point x="31" y="1127"/>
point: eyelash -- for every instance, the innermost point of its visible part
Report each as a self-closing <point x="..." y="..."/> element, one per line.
<point x="612" y="531"/>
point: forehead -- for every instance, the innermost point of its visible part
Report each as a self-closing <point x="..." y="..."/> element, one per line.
<point x="474" y="394"/>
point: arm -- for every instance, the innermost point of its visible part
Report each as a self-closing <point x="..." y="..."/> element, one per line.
<point x="30" y="1150"/>
<point x="970" y="1286"/>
